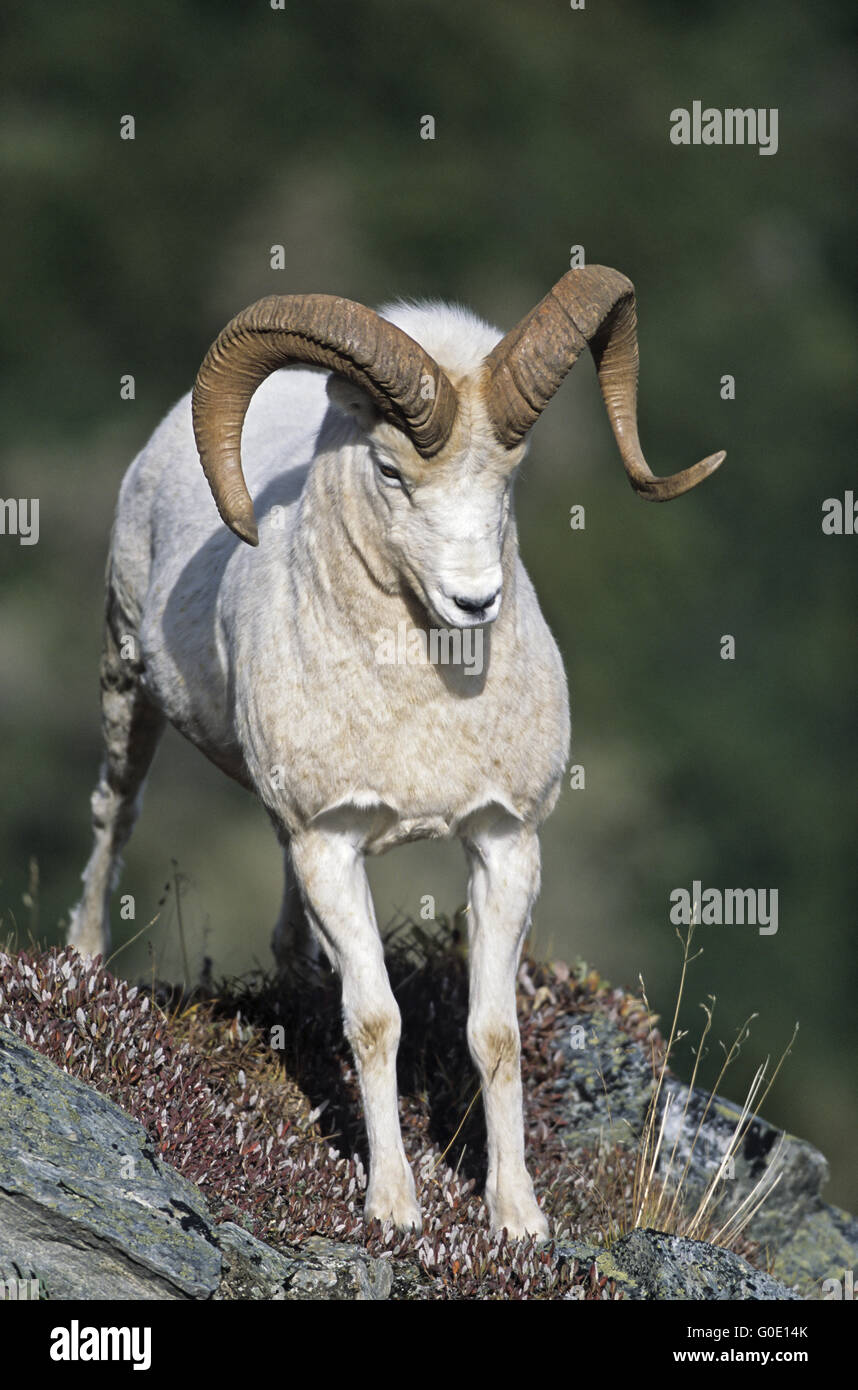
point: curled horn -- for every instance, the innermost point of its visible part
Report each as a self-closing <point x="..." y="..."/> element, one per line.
<point x="322" y="330"/>
<point x="592" y="306"/>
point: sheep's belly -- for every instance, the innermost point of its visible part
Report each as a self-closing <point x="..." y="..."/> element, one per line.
<point x="416" y="828"/>
<point x="375" y="824"/>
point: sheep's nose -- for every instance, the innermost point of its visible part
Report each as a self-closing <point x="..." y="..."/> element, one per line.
<point x="475" y="605"/>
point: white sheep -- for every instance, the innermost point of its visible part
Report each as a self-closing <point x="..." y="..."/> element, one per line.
<point x="383" y="489"/>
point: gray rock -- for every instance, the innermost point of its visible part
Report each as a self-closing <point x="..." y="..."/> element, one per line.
<point x="607" y="1085"/>
<point x="90" y="1210"/>
<point x="251" y="1270"/>
<point x="807" y="1239"/>
<point x="86" y="1204"/>
<point x="604" y="1100"/>
<point x="334" y="1270"/>
<point x="317" y="1269"/>
<point x="651" y="1265"/>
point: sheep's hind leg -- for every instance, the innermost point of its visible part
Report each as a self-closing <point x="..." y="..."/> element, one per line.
<point x="504" y="860"/>
<point x="131" y="728"/>
<point x="331" y="870"/>
<point x="293" y="943"/>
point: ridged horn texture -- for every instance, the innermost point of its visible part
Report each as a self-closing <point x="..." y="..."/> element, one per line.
<point x="592" y="306"/>
<point x="322" y="330"/>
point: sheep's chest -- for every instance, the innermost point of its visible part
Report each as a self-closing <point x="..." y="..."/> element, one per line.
<point x="412" y="760"/>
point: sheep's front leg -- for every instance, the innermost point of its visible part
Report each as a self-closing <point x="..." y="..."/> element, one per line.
<point x="333" y="880"/>
<point x="504" y="860"/>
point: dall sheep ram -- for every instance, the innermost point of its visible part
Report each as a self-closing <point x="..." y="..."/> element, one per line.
<point x="383" y="487"/>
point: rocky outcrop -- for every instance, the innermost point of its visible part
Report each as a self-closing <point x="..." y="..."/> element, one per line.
<point x="651" y="1265"/>
<point x="603" y="1098"/>
<point x="90" y="1211"/>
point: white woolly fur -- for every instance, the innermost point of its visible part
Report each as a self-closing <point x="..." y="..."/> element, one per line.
<point x="295" y="668"/>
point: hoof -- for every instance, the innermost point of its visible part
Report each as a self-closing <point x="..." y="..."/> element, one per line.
<point x="404" y="1218"/>
<point x="520" y="1219"/>
<point x="398" y="1205"/>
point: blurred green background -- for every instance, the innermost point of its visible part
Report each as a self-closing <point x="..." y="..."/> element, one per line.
<point x="257" y="126"/>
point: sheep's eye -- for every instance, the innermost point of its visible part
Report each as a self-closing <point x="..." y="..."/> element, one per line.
<point x="387" y="472"/>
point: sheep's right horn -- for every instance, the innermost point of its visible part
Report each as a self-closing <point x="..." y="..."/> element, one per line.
<point x="593" y="306"/>
<point x="407" y="386"/>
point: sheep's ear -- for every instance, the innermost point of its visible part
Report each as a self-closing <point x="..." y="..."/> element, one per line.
<point x="351" y="400"/>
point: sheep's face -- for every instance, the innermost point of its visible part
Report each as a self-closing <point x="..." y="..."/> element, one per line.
<point x="441" y="523"/>
<point x="445" y="521"/>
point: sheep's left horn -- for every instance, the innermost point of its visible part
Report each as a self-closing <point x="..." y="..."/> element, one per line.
<point x="322" y="330"/>
<point x="592" y="306"/>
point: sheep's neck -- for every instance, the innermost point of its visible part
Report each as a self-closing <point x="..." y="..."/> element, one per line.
<point x="338" y="547"/>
